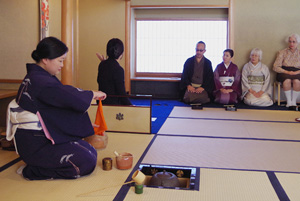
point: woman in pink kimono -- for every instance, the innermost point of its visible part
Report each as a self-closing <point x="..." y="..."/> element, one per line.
<point x="227" y="80"/>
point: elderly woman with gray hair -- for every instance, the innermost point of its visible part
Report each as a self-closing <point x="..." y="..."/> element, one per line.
<point x="287" y="66"/>
<point x="256" y="81"/>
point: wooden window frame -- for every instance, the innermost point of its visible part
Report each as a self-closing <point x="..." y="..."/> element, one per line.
<point x="130" y="66"/>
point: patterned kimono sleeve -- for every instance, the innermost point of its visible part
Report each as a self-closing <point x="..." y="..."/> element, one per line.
<point x="236" y="86"/>
<point x="65" y="96"/>
<point x="245" y="83"/>
<point x="218" y="84"/>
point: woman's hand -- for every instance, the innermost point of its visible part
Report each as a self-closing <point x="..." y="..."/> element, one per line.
<point x="191" y="89"/>
<point x="226" y="91"/>
<point x="252" y="92"/>
<point x="223" y="91"/>
<point x="100" y="56"/>
<point x="99" y="95"/>
<point x="199" y="90"/>
<point x="95" y="125"/>
<point x="294" y="72"/>
<point x="259" y="94"/>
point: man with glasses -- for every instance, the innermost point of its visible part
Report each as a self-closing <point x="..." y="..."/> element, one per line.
<point x="197" y="79"/>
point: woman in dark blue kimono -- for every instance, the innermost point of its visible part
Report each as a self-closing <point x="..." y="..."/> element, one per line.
<point x="54" y="149"/>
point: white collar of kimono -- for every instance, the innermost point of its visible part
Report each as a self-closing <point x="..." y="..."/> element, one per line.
<point x="254" y="66"/>
<point x="226" y="66"/>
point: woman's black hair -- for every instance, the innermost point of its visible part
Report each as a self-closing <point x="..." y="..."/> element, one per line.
<point x="49" y="48"/>
<point x="114" y="48"/>
<point x="230" y="52"/>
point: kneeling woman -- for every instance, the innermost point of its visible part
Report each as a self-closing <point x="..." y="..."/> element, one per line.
<point x="256" y="81"/>
<point x="53" y="119"/>
<point x="227" y="80"/>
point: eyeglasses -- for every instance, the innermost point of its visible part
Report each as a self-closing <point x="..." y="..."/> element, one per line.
<point x="292" y="41"/>
<point x="199" y="50"/>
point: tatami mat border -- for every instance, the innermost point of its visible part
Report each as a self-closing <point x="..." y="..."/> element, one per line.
<point x="228" y="138"/>
<point x="264" y="121"/>
<point x="125" y="188"/>
<point x="249" y="170"/>
<point x="4" y="167"/>
<point x="277" y="186"/>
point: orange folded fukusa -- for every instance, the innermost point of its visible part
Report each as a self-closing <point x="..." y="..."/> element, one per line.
<point x="100" y="121"/>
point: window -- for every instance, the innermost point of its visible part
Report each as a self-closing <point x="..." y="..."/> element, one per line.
<point x="164" y="37"/>
<point x="162" y="46"/>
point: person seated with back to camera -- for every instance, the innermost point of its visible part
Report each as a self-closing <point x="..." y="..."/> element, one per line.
<point x="227" y="80"/>
<point x="197" y="79"/>
<point x="256" y="81"/>
<point x="111" y="75"/>
<point x="287" y="67"/>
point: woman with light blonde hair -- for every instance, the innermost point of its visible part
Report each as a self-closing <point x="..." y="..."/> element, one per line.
<point x="287" y="66"/>
<point x="256" y="81"/>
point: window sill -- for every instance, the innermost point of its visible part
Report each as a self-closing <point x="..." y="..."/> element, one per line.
<point x="163" y="79"/>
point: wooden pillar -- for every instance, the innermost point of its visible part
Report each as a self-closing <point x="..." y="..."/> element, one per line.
<point x="231" y="25"/>
<point x="67" y="38"/>
<point x="127" y="44"/>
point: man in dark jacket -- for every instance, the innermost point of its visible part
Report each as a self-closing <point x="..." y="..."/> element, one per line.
<point x="197" y="79"/>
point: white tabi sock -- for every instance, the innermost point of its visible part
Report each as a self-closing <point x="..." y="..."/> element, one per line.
<point x="295" y="96"/>
<point x="288" y="95"/>
<point x="20" y="169"/>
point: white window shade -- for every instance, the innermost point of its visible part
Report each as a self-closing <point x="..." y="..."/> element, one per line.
<point x="162" y="46"/>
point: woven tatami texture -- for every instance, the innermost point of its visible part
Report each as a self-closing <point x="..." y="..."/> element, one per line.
<point x="290" y="183"/>
<point x="231" y="129"/>
<point x="7" y="156"/>
<point x="225" y="153"/>
<point x="240" y="114"/>
<point x="100" y="185"/>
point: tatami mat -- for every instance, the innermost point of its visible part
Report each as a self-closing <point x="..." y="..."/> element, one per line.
<point x="225" y="153"/>
<point x="225" y="185"/>
<point x="156" y="194"/>
<point x="232" y="185"/>
<point x="240" y="114"/>
<point x="231" y="129"/>
<point x="291" y="184"/>
<point x="100" y="185"/>
<point x="230" y="169"/>
<point x="7" y="156"/>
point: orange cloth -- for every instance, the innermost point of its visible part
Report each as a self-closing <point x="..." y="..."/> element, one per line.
<point x="100" y="121"/>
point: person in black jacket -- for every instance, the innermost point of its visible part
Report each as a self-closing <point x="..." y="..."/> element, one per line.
<point x="111" y="74"/>
<point x="197" y="79"/>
